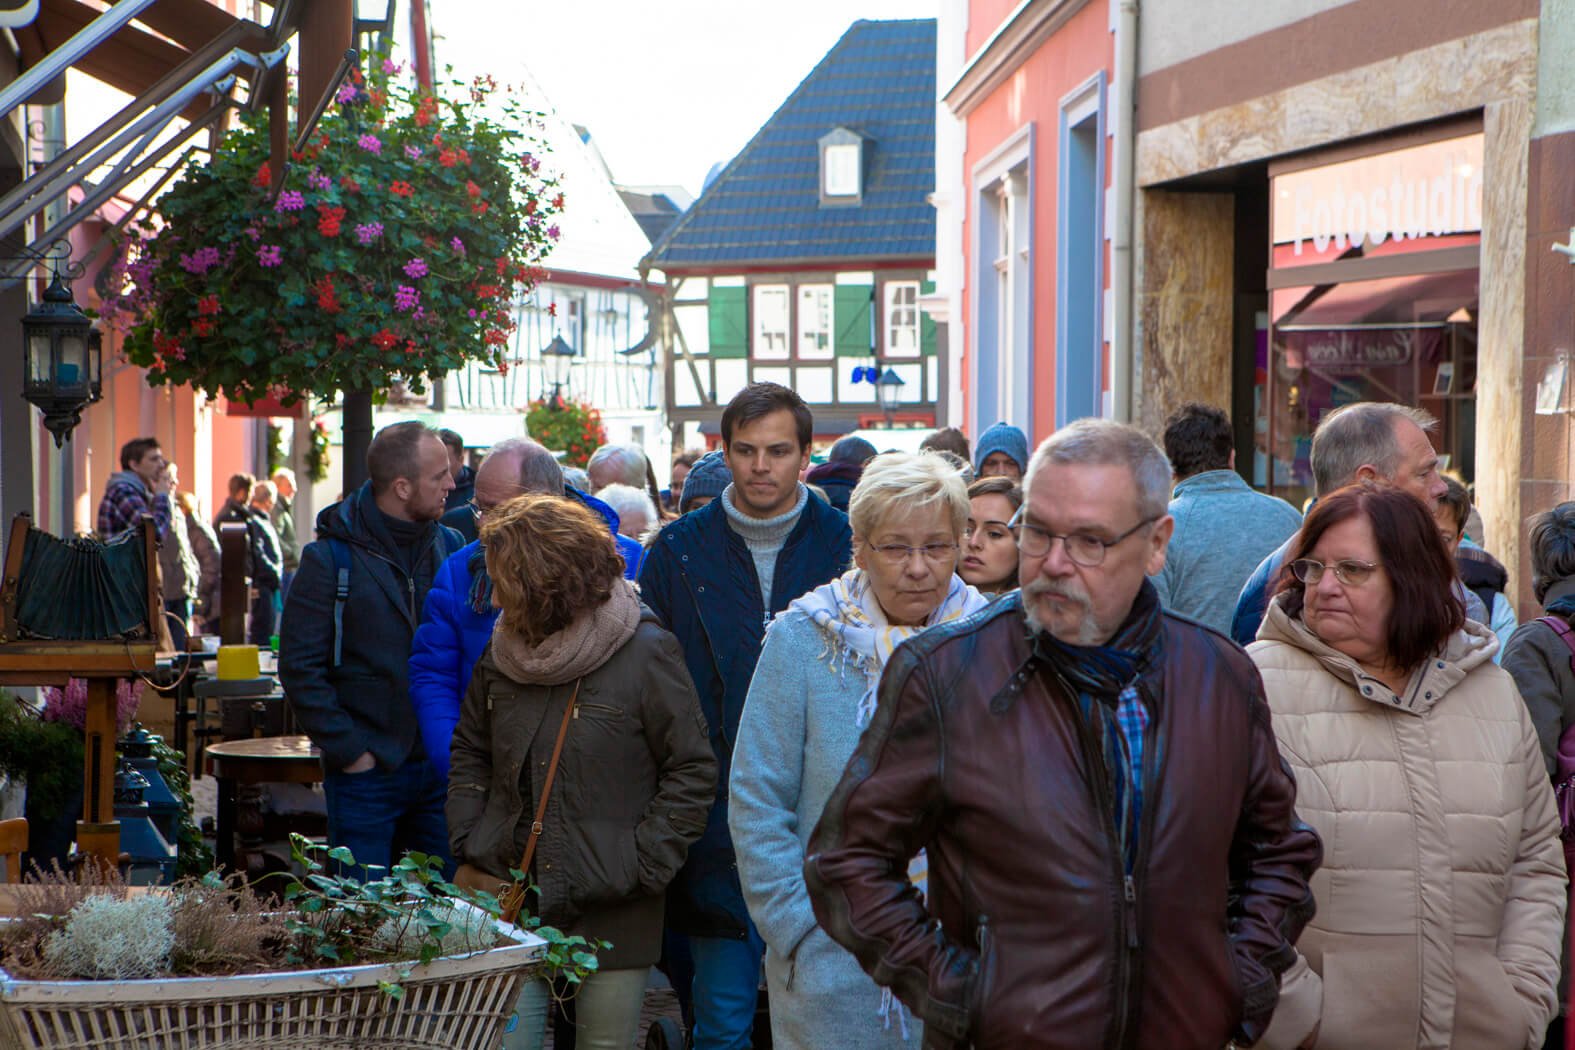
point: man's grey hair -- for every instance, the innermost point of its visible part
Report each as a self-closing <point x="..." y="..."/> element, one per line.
<point x="285" y="473"/>
<point x="626" y="461"/>
<point x="539" y="470"/>
<point x="264" y="492"/>
<point x="1357" y="435"/>
<point x="1106" y="443"/>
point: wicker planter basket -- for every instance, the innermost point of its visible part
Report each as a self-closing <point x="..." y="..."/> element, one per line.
<point x="459" y="1002"/>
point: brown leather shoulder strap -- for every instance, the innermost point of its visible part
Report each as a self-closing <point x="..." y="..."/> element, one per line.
<point x="514" y="899"/>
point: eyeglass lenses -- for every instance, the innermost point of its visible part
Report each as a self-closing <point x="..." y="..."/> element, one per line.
<point x="1352" y="573"/>
<point x="1084" y="550"/>
<point x="934" y="553"/>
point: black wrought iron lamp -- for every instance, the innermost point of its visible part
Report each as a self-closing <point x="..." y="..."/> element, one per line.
<point x="63" y="360"/>
<point x="888" y="390"/>
<point x="556" y="358"/>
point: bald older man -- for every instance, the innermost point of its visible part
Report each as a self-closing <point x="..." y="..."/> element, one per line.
<point x="456" y="621"/>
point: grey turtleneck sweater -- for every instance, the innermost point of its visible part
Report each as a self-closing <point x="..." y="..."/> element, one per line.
<point x="764" y="537"/>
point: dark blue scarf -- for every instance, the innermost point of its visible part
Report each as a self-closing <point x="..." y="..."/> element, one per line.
<point x="1102" y="671"/>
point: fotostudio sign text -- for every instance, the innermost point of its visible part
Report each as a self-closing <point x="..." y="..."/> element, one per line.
<point x="1422" y="191"/>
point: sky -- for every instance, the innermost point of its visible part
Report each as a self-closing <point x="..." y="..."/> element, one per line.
<point x="666" y="89"/>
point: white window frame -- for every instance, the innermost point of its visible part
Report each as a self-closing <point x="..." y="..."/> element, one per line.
<point x="770" y="333"/>
<point x="1001" y="303"/>
<point x="902" y="334"/>
<point x="816" y="321"/>
<point x="840" y="174"/>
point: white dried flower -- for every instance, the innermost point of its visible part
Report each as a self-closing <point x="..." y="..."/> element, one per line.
<point x="106" y="938"/>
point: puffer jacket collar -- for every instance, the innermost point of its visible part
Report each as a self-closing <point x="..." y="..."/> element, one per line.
<point x="1468" y="648"/>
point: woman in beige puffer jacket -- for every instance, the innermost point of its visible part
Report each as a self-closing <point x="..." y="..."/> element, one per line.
<point x="1442" y="893"/>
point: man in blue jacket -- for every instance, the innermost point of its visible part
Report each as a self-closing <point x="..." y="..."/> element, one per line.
<point x="456" y="622"/>
<point x="344" y="648"/>
<point x="716" y="577"/>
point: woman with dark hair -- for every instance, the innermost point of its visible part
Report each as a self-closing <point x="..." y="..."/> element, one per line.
<point x="989" y="554"/>
<point x="1442" y="892"/>
<point x="576" y="660"/>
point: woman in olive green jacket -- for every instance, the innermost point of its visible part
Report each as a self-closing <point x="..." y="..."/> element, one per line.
<point x="637" y="775"/>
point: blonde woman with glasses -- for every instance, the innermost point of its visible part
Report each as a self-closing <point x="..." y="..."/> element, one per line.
<point x="812" y="695"/>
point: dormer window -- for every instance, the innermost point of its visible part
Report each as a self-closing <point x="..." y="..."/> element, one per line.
<point x="841" y="167"/>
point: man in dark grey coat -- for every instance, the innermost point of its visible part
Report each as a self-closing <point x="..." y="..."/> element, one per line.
<point x="344" y="647"/>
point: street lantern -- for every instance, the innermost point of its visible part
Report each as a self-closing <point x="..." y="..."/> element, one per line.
<point x="63" y="360"/>
<point x="557" y="356"/>
<point x="888" y="389"/>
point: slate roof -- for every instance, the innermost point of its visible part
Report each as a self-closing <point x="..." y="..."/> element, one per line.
<point x="655" y="212"/>
<point x="764" y="208"/>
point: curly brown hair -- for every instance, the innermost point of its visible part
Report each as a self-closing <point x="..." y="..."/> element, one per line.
<point x="550" y="560"/>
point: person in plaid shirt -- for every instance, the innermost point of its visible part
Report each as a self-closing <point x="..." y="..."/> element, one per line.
<point x="141" y="486"/>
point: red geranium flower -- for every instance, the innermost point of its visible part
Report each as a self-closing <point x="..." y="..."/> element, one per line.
<point x="384" y="339"/>
<point x="264" y="177"/>
<point x="328" y="220"/>
<point x="401" y="188"/>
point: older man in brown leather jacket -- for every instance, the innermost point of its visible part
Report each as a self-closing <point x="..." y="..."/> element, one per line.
<point x="1114" y="855"/>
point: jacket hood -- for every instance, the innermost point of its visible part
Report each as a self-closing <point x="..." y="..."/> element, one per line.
<point x="1467" y="649"/>
<point x="130" y="478"/>
<point x="609" y="515"/>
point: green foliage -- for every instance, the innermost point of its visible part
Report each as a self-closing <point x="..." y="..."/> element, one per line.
<point x="317" y="454"/>
<point x="571" y="427"/>
<point x="276" y="452"/>
<point x="46" y="755"/>
<point x="403" y="233"/>
<point x="410" y="912"/>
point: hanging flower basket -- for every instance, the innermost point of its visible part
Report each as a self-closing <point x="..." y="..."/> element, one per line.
<point x="459" y="1002"/>
<point x="395" y="249"/>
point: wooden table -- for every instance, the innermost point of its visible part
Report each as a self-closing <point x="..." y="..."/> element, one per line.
<point x="262" y="760"/>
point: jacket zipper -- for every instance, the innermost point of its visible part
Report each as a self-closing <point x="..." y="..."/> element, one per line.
<point x="1126" y="900"/>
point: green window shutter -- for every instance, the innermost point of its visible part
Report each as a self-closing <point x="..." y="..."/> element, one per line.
<point x="729" y="322"/>
<point x="926" y="323"/>
<point x="851" y="317"/>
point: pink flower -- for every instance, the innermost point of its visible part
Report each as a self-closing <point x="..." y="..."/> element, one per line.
<point x="370" y="142"/>
<point x="269" y="255"/>
<point x="552" y="233"/>
<point x="290" y="200"/>
<point x="413" y="152"/>
<point x="458" y="246"/>
<point x="346" y="93"/>
<point x="69" y="705"/>
<point x="318" y="181"/>
<point x="367" y="232"/>
<point x="392" y="68"/>
<point x="416" y="268"/>
<point x="200" y="261"/>
<point x="406" y="298"/>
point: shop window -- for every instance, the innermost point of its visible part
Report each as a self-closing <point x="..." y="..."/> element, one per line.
<point x="1410" y="339"/>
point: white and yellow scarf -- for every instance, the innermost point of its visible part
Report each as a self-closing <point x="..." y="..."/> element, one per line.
<point x="855" y="625"/>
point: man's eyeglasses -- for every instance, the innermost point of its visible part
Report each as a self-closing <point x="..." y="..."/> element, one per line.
<point x="1349" y="571"/>
<point x="1084" y="549"/>
<point x="475" y="508"/>
<point x="898" y="553"/>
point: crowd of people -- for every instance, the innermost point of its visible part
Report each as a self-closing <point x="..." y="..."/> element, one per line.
<point x="1088" y="744"/>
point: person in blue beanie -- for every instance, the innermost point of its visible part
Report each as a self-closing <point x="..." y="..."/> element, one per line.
<point x="1002" y="451"/>
<point x="707" y="480"/>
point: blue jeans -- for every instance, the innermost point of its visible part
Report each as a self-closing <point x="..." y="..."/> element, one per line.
<point x="607" y="1012"/>
<point x="383" y="813"/>
<point x="726" y="990"/>
<point x="178" y="621"/>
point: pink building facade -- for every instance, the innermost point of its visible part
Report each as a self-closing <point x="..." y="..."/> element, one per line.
<point x="1024" y="164"/>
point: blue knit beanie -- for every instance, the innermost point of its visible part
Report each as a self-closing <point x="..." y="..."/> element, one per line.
<point x="851" y="449"/>
<point x="709" y="476"/>
<point x="1002" y="437"/>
